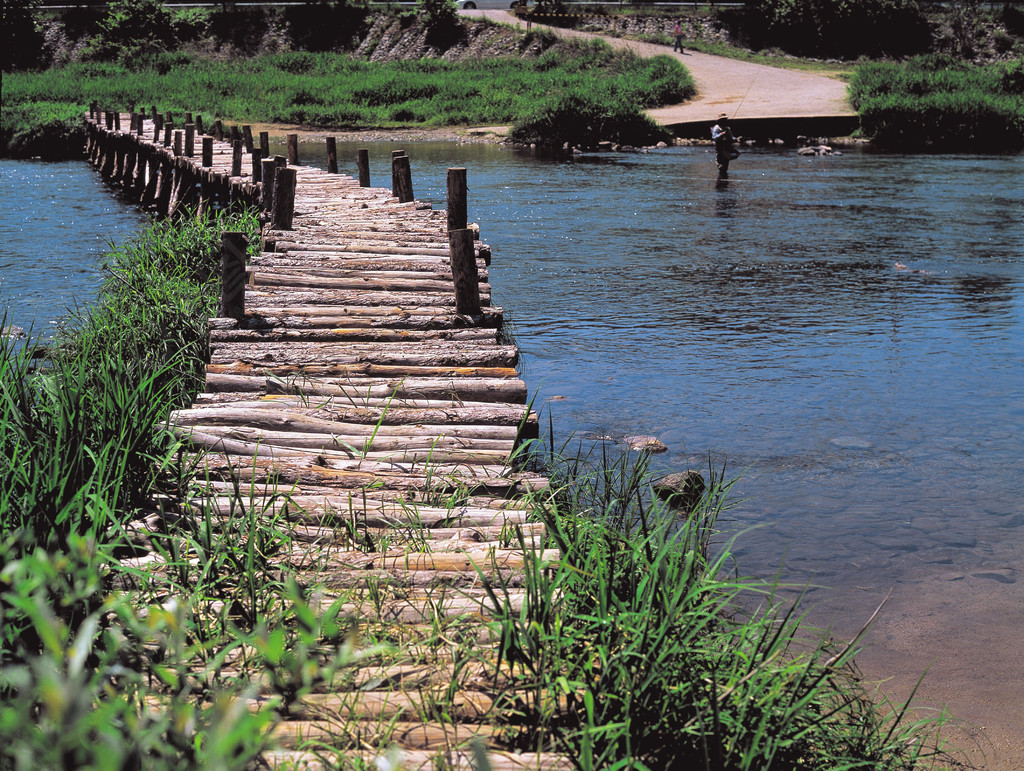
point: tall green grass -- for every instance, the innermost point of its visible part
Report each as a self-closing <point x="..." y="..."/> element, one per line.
<point x="641" y="649"/>
<point x="939" y="103"/>
<point x="334" y="90"/>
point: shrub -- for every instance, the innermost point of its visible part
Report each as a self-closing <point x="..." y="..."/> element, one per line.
<point x="584" y="121"/>
<point x="839" y="28"/>
<point x="22" y="36"/>
<point x="132" y="28"/>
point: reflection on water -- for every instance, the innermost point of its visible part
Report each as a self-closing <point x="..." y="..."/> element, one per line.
<point x="846" y="332"/>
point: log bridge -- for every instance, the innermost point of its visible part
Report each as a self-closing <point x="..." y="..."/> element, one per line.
<point x="359" y="385"/>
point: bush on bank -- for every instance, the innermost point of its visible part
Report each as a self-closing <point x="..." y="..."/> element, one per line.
<point x="936" y="102"/>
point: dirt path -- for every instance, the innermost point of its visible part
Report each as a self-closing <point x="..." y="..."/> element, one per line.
<point x="741" y="89"/>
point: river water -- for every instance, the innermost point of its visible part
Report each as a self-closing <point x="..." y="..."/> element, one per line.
<point x="845" y="334"/>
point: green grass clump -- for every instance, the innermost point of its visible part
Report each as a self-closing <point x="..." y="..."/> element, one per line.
<point x="939" y="103"/>
<point x="637" y="653"/>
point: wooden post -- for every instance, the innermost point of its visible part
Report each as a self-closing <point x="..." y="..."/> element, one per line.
<point x="332" y="156"/>
<point x="153" y="114"/>
<point x="402" y="174"/>
<point x="363" y="164"/>
<point x="268" y="171"/>
<point x="140" y="124"/>
<point x="233" y="246"/>
<point x="235" y="133"/>
<point x="108" y="118"/>
<point x="188" y="117"/>
<point x="207" y="152"/>
<point x="93" y="107"/>
<point x="236" y="158"/>
<point x="168" y="128"/>
<point x="264" y="144"/>
<point x="158" y="126"/>
<point x="284" y="199"/>
<point x="117" y="121"/>
<point x="190" y="140"/>
<point x="464" y="272"/>
<point x="457" y="206"/>
<point x="247" y="138"/>
<point x="177" y="143"/>
<point x="293" y="149"/>
<point x="133" y="122"/>
<point x="218" y="130"/>
<point x="257" y="167"/>
<point x="168" y="117"/>
<point x="199" y="125"/>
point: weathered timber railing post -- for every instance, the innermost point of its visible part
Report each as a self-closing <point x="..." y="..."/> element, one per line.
<point x="232" y="275"/>
<point x="117" y="121"/>
<point x="190" y="140"/>
<point x="93" y="107"/>
<point x="363" y="164"/>
<point x="284" y="199"/>
<point x="265" y="144"/>
<point x="332" y="156"/>
<point x="268" y="171"/>
<point x="140" y="124"/>
<point x="247" y="138"/>
<point x="235" y="134"/>
<point x="457" y="204"/>
<point x="401" y="178"/>
<point x="168" y="117"/>
<point x="207" y="152"/>
<point x="236" y="158"/>
<point x="188" y="117"/>
<point x="158" y="126"/>
<point x="168" y="128"/>
<point x="218" y="130"/>
<point x="108" y="118"/>
<point x="177" y="143"/>
<point x="293" y="149"/>
<point x="257" y="167"/>
<point x="199" y="125"/>
<point x="464" y="272"/>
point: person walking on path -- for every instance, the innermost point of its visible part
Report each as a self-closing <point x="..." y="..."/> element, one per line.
<point x="722" y="135"/>
<point x="677" y="31"/>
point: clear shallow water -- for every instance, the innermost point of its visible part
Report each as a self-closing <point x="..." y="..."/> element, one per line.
<point x="876" y="413"/>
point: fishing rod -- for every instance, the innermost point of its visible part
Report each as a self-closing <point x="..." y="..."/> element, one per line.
<point x="736" y="111"/>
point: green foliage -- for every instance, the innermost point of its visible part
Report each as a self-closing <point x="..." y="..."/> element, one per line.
<point x="583" y="122"/>
<point x="132" y="29"/>
<point x="939" y="102"/>
<point x="838" y="28"/>
<point x="49" y="129"/>
<point x="22" y="38"/>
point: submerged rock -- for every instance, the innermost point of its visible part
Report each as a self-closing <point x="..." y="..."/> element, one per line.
<point x="645" y="443"/>
<point x="682" y="490"/>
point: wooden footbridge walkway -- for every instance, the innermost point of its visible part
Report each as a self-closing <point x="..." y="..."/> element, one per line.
<point x="358" y="381"/>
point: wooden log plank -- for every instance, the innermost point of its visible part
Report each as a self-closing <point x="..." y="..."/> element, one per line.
<point x="351" y="335"/>
<point x="421" y="354"/>
<point x="329" y="509"/>
<point x="468" y="389"/>
<point x="326" y="420"/>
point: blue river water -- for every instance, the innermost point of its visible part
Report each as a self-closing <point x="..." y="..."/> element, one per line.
<point x="845" y="334"/>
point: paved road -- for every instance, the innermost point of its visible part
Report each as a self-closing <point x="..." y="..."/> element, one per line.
<point x="741" y="89"/>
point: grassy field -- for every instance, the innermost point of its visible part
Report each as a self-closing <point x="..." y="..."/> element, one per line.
<point x="335" y="90"/>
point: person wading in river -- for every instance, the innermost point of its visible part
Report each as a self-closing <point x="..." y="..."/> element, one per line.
<point x="724" y="140"/>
